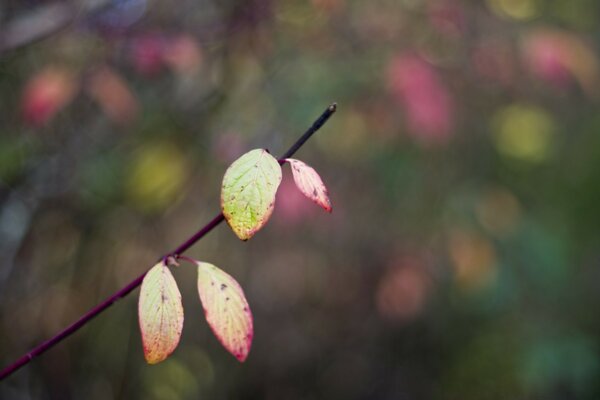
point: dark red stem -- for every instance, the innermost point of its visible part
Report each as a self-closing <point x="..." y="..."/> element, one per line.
<point x="87" y="317"/>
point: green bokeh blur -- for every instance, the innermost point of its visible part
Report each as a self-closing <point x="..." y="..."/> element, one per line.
<point x="462" y="257"/>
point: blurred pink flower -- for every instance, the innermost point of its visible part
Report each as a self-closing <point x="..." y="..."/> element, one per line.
<point x="183" y="54"/>
<point x="152" y="52"/>
<point x="559" y="57"/>
<point x="546" y="58"/>
<point x="46" y="93"/>
<point x="147" y="54"/>
<point x="428" y="105"/>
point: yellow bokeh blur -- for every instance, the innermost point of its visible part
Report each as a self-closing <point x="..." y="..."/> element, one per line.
<point x="516" y="9"/>
<point x="524" y="132"/>
<point x="156" y="176"/>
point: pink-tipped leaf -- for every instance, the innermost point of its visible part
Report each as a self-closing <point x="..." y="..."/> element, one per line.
<point x="160" y="314"/>
<point x="248" y="192"/>
<point x="310" y="184"/>
<point x="226" y="309"/>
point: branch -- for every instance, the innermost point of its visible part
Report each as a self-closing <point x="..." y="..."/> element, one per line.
<point x="87" y="317"/>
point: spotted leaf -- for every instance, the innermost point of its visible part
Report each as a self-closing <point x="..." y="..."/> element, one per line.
<point x="248" y="192"/>
<point x="160" y="314"/>
<point x="226" y="309"/>
<point x="310" y="184"/>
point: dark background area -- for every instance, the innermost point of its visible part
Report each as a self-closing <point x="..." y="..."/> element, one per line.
<point x="462" y="257"/>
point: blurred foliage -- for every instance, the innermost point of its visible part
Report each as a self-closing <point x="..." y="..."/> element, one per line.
<point x="462" y="257"/>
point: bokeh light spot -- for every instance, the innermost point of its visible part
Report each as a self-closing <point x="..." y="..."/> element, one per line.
<point x="156" y="176"/>
<point x="516" y="9"/>
<point x="474" y="259"/>
<point x="524" y="132"/>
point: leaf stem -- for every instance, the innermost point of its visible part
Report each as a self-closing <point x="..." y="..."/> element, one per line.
<point x="88" y="316"/>
<point x="186" y="258"/>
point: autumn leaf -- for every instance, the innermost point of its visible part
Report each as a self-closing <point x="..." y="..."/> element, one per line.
<point x="310" y="184"/>
<point x="226" y="309"/>
<point x="160" y="314"/>
<point x="248" y="192"/>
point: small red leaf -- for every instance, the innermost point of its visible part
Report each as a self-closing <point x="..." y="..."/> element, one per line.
<point x="310" y="184"/>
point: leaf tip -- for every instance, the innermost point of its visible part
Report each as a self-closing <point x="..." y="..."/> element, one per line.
<point x="242" y="353"/>
<point x="151" y="358"/>
<point x="243" y="235"/>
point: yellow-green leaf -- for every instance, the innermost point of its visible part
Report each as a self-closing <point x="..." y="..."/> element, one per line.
<point x="310" y="184"/>
<point x="226" y="309"/>
<point x="160" y="314"/>
<point x="248" y="192"/>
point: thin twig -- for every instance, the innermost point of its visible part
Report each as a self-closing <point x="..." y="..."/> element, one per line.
<point x="83" y="320"/>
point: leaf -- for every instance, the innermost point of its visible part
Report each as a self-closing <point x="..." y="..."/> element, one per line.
<point x="226" y="309"/>
<point x="248" y="192"/>
<point x="160" y="314"/>
<point x="310" y="184"/>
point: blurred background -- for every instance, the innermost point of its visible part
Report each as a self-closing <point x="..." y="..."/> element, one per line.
<point x="462" y="257"/>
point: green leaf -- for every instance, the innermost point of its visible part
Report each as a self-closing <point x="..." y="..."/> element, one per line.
<point x="226" y="309"/>
<point x="248" y="192"/>
<point x="160" y="314"/>
<point x="310" y="184"/>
